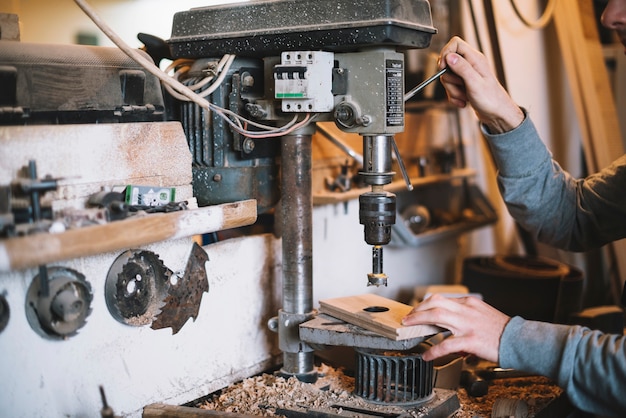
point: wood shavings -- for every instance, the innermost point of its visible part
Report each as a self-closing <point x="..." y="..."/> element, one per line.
<point x="538" y="392"/>
<point x="263" y="395"/>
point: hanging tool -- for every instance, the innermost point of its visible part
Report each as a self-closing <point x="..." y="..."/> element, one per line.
<point x="106" y="411"/>
<point x="34" y="188"/>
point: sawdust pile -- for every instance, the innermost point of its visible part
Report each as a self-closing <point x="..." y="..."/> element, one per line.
<point x="263" y="395"/>
<point x="268" y="394"/>
<point x="537" y="392"/>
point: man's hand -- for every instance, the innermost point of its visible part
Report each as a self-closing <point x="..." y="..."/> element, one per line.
<point x="476" y="327"/>
<point x="472" y="81"/>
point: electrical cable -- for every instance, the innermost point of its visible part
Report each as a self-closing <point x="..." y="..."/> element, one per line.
<point x="542" y="21"/>
<point x="220" y="78"/>
<point x="186" y="92"/>
<point x="221" y="69"/>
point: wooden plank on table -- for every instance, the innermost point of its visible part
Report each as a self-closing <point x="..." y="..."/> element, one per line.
<point x="364" y="311"/>
<point x="44" y="248"/>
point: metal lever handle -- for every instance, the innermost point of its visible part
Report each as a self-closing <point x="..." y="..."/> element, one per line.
<point x="407" y="96"/>
<point x="424" y="83"/>
<point x="405" y="175"/>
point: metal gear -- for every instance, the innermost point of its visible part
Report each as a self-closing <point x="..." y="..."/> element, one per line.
<point x="61" y="310"/>
<point x="136" y="287"/>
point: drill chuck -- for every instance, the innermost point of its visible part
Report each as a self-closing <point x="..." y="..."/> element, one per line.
<point x="377" y="213"/>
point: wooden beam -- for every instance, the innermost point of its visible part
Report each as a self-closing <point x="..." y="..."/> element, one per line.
<point x="563" y="28"/>
<point x="377" y="314"/>
<point x="589" y="82"/>
<point x="44" y="248"/>
<point x="159" y="410"/>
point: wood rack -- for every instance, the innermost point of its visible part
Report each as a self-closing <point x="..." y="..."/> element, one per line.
<point x="43" y="248"/>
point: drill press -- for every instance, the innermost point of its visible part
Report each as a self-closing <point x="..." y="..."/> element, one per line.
<point x="362" y="92"/>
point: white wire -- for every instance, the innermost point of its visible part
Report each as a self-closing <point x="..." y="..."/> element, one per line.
<point x="220" y="78"/>
<point x="223" y="66"/>
<point x="197" y="86"/>
<point x="186" y="92"/>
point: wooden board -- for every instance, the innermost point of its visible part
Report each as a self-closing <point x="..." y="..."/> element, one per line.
<point x="158" y="410"/>
<point x="593" y="100"/>
<point x="44" y="248"/>
<point x="377" y="314"/>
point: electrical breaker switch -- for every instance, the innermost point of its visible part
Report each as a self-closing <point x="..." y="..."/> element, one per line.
<point x="303" y="81"/>
<point x="149" y="195"/>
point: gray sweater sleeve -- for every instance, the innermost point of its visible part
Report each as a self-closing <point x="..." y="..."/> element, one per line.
<point x="589" y="365"/>
<point x="568" y="213"/>
<point x="572" y="214"/>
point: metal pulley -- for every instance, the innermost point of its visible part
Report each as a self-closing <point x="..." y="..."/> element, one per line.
<point x="62" y="309"/>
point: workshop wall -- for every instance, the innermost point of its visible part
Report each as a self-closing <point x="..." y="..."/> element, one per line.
<point x="62" y="21"/>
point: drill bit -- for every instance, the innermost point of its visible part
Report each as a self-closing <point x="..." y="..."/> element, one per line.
<point x="377" y="277"/>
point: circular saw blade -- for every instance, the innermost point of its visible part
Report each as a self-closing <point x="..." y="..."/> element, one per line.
<point x="136" y="287"/>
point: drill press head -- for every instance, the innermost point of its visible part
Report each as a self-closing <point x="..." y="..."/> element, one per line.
<point x="364" y="90"/>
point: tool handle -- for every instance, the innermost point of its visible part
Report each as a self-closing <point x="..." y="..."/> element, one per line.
<point x="424" y="83"/>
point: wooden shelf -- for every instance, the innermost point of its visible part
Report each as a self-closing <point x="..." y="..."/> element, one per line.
<point x="470" y="211"/>
<point x="44" y="248"/>
<point x="327" y="197"/>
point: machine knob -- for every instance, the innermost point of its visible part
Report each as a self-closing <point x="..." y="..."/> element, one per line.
<point x="347" y="115"/>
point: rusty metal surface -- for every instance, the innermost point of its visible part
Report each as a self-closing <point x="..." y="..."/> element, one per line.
<point x="135" y="287"/>
<point x="297" y="253"/>
<point x="184" y="297"/>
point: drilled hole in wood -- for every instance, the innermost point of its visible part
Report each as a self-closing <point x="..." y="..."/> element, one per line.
<point x="376" y="309"/>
